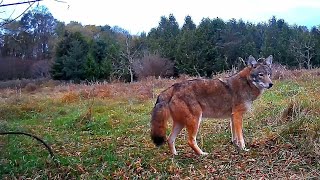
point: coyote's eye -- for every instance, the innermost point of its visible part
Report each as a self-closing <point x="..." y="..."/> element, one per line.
<point x="260" y="74"/>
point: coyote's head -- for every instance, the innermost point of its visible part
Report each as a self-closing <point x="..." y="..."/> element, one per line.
<point x="261" y="72"/>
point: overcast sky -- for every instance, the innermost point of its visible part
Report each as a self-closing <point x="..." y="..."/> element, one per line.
<point x="137" y="16"/>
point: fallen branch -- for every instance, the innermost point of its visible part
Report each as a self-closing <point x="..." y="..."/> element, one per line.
<point x="35" y="137"/>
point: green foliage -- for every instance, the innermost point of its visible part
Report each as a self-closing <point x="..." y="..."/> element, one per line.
<point x="105" y="69"/>
<point x="276" y="41"/>
<point x="163" y="39"/>
<point x="215" y="45"/>
<point x="188" y="25"/>
<point x="315" y="34"/>
<point x="76" y="59"/>
<point x="186" y="56"/>
<point x="91" y="68"/>
<point x="71" y="57"/>
<point x="208" y="36"/>
<point x="98" y="64"/>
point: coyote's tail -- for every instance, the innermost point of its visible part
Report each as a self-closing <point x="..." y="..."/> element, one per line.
<point x="159" y="118"/>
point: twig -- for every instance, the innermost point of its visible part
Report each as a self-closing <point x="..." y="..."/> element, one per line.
<point x="25" y="2"/>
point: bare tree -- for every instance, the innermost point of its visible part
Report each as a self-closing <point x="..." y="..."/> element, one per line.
<point x="10" y="19"/>
<point x="40" y="69"/>
<point x="153" y="65"/>
<point x="130" y="54"/>
<point x="303" y="50"/>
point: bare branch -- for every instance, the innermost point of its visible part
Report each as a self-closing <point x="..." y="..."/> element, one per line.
<point x="10" y="21"/>
<point x="25" y="2"/>
<point x="60" y="1"/>
<point x="11" y="14"/>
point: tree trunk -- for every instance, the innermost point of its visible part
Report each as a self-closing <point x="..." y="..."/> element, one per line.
<point x="131" y="74"/>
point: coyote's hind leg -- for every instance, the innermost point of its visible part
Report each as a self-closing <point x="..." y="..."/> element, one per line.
<point x="193" y="128"/>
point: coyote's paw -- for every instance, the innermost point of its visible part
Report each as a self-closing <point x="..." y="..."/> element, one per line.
<point x="245" y="149"/>
<point x="204" y="154"/>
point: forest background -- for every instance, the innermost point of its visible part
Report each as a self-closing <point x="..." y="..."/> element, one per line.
<point x="38" y="45"/>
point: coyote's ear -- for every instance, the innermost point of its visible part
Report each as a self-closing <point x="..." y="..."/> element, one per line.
<point x="268" y="61"/>
<point x="251" y="61"/>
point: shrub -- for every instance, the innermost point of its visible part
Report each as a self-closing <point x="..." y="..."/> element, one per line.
<point x="70" y="97"/>
<point x="30" y="87"/>
<point x="153" y="65"/>
<point x="14" y="68"/>
<point x="40" y="69"/>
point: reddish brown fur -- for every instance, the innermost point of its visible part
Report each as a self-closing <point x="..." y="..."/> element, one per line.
<point x="188" y="101"/>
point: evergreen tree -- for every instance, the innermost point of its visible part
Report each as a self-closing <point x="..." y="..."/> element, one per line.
<point x="91" y="68"/>
<point x="188" y="25"/>
<point x="164" y="38"/>
<point x="185" y="56"/>
<point x="277" y="41"/>
<point x="57" y="69"/>
<point x="315" y="32"/>
<point x="100" y="60"/>
<point x="71" y="57"/>
<point x="209" y="35"/>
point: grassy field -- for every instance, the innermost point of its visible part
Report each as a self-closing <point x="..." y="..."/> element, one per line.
<point x="101" y="131"/>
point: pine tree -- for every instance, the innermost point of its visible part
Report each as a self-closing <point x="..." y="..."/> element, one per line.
<point x="186" y="52"/>
<point x="91" y="68"/>
<point x="71" y="57"/>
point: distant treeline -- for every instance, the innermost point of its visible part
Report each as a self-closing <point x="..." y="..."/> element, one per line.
<point x="77" y="52"/>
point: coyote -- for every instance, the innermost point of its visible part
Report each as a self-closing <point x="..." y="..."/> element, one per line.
<point x="189" y="101"/>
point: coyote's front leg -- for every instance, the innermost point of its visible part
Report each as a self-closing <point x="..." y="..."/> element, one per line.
<point x="236" y="129"/>
<point x="233" y="137"/>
